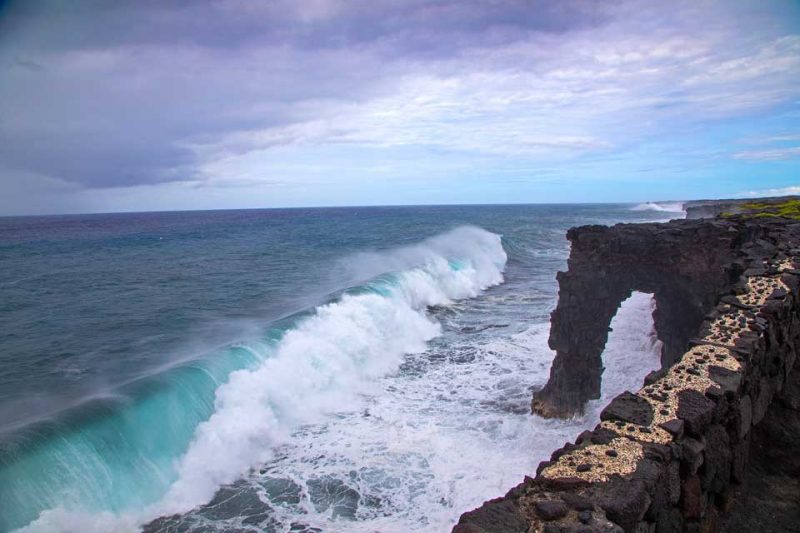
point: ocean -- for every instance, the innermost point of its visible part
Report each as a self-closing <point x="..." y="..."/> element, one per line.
<point x="338" y="369"/>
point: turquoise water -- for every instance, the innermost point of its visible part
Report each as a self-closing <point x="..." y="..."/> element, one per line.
<point x="153" y="363"/>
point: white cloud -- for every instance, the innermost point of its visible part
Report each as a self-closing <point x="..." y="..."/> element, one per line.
<point x="257" y="99"/>
<point x="781" y="138"/>
<point x="550" y="97"/>
<point x="775" y="154"/>
<point x="764" y="193"/>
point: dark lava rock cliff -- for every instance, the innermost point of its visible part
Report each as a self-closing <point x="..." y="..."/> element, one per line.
<point x="710" y="442"/>
<point x="686" y="264"/>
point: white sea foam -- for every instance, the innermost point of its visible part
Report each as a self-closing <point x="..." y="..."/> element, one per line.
<point x="437" y="443"/>
<point x="664" y="207"/>
<point x="632" y="350"/>
<point x="482" y="248"/>
<point x="328" y="360"/>
<point x="324" y="365"/>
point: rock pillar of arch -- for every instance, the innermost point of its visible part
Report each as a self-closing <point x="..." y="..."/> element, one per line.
<point x="687" y="265"/>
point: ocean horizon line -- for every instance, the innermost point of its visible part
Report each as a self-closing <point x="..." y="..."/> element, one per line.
<point x="354" y="206"/>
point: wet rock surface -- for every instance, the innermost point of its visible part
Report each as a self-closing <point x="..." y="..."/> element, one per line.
<point x="237" y="506"/>
<point x="709" y="443"/>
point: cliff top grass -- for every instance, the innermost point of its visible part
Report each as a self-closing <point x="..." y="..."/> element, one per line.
<point x="776" y="209"/>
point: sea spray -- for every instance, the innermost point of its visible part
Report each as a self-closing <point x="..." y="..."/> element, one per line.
<point x="325" y="363"/>
<point x="440" y="438"/>
<point x="632" y="349"/>
<point x="321" y="365"/>
<point x="664" y="207"/>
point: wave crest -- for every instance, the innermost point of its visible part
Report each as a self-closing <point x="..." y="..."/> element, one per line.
<point x="320" y="366"/>
<point x="323" y="364"/>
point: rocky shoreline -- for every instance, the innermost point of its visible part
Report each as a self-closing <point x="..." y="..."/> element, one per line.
<point x="678" y="454"/>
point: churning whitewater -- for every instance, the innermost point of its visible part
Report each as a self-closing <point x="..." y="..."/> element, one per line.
<point x="329" y="360"/>
<point x="323" y="365"/>
<point x="396" y="401"/>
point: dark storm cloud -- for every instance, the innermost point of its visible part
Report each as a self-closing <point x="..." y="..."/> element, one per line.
<point x="413" y="24"/>
<point x="108" y="94"/>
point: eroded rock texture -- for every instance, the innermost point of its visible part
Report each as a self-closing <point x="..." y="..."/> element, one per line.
<point x="687" y="264"/>
<point x="769" y="499"/>
<point x="674" y="455"/>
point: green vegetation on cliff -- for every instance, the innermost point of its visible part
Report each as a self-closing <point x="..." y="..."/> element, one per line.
<point x="784" y="209"/>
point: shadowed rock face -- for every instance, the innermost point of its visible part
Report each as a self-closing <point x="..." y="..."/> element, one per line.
<point x="769" y="499"/>
<point x="686" y="264"/>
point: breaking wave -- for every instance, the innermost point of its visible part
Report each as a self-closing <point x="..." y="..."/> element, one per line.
<point x="208" y="425"/>
<point x="666" y="207"/>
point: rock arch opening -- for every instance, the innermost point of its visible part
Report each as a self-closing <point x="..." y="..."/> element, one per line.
<point x="633" y="349"/>
<point x="686" y="267"/>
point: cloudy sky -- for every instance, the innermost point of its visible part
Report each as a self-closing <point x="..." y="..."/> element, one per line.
<point x="160" y="104"/>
